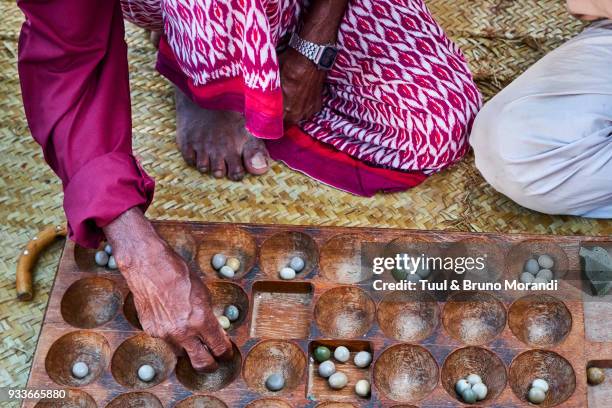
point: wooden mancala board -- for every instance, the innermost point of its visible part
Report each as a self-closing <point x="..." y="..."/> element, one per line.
<point x="422" y="342"/>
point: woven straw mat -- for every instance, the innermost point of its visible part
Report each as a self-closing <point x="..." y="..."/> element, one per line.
<point x="501" y="38"/>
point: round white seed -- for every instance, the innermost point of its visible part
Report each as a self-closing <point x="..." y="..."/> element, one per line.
<point x="536" y="395"/>
<point x="233" y="263"/>
<point x="224" y="322"/>
<point x="108" y="249"/>
<point x="362" y="359"/>
<point x="527" y="277"/>
<point x="101" y="258"/>
<point x="218" y="261"/>
<point x="275" y="382"/>
<point x="462" y="385"/>
<point x="80" y="369"/>
<point x="480" y="390"/>
<point x="474" y="379"/>
<point x="227" y="272"/>
<point x="532" y="266"/>
<point x="362" y="388"/>
<point x="146" y="373"/>
<point x="546" y="261"/>
<point x="297" y="264"/>
<point x="545" y="274"/>
<point x="541" y="384"/>
<point x="327" y="368"/>
<point x="338" y="380"/>
<point x="112" y="263"/>
<point x="342" y="354"/>
<point x="287" y="273"/>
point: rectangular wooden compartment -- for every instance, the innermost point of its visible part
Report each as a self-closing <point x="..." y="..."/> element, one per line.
<point x="281" y="319"/>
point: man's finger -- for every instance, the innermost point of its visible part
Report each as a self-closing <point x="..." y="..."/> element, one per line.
<point x="218" y="342"/>
<point x="200" y="358"/>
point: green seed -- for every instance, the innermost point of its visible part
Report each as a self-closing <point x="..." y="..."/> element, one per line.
<point x="322" y="354"/>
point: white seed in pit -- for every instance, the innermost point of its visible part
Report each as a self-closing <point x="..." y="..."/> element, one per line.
<point x="546" y="261"/>
<point x="462" y="385"/>
<point x="227" y="272"/>
<point x="480" y="390"/>
<point x="108" y="249"/>
<point x="532" y="266"/>
<point x="338" y="381"/>
<point x="233" y="263"/>
<point x="342" y="354"/>
<point x="527" y="277"/>
<point x="80" y="369"/>
<point x="275" y="382"/>
<point x="112" y="263"/>
<point x="536" y="395"/>
<point x="297" y="264"/>
<point x="362" y="388"/>
<point x="287" y="273"/>
<point x="146" y="373"/>
<point x="327" y="368"/>
<point x="362" y="359"/>
<point x="218" y="261"/>
<point x="474" y="379"/>
<point x="101" y="258"/>
<point x="224" y="322"/>
<point x="545" y="274"/>
<point x="541" y="384"/>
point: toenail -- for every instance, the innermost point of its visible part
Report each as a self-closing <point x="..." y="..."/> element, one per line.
<point x="218" y="173"/>
<point x="259" y="161"/>
<point x="203" y="169"/>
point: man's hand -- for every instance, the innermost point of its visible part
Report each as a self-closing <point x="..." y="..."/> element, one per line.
<point x="302" y="84"/>
<point x="172" y="303"/>
<point x="590" y="9"/>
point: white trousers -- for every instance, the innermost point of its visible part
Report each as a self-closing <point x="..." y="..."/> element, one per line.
<point x="546" y="140"/>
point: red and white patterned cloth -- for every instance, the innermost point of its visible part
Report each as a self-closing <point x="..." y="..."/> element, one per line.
<point x="399" y="102"/>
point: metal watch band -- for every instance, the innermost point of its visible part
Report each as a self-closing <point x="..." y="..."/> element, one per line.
<point x="308" y="49"/>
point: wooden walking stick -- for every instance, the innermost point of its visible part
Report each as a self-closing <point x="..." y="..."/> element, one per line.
<point x="29" y="256"/>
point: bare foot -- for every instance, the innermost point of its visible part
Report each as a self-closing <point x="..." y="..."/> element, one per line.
<point x="217" y="142"/>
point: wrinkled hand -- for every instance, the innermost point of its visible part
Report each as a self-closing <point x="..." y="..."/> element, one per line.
<point x="590" y="9"/>
<point x="302" y="84"/>
<point x="172" y="303"/>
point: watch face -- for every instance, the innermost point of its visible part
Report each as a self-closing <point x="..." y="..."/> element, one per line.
<point x="328" y="57"/>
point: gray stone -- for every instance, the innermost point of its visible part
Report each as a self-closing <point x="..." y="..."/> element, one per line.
<point x="598" y="268"/>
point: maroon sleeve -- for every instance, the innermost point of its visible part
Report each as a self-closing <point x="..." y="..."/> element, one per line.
<point x="74" y="81"/>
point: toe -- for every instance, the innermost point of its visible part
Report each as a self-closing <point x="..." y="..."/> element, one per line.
<point x="188" y="153"/>
<point x="235" y="170"/>
<point x="203" y="161"/>
<point x="255" y="156"/>
<point x="217" y="166"/>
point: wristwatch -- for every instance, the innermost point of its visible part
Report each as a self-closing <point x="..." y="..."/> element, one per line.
<point x="323" y="56"/>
